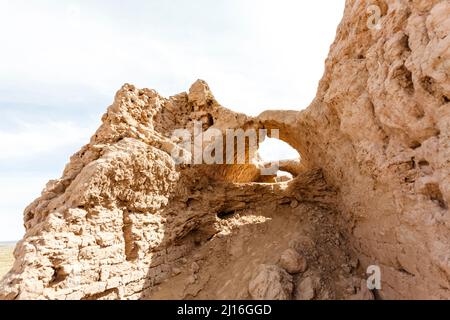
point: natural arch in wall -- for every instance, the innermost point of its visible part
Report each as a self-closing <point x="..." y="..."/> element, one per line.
<point x="288" y="159"/>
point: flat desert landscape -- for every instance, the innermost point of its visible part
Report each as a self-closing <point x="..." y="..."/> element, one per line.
<point x="6" y="258"/>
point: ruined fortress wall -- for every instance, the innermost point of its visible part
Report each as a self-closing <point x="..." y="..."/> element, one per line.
<point x="373" y="187"/>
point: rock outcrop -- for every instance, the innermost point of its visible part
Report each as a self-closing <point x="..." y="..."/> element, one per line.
<point x="379" y="129"/>
<point x="125" y="221"/>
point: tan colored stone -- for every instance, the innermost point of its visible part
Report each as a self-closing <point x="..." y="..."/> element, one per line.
<point x="270" y="282"/>
<point x="292" y="261"/>
<point x="306" y="289"/>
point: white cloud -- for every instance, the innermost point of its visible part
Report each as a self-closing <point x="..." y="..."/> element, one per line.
<point x="17" y="190"/>
<point x="32" y="143"/>
<point x="29" y="140"/>
<point x="266" y="54"/>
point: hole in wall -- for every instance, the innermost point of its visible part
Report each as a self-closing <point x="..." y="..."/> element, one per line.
<point x="58" y="276"/>
<point x="415" y="145"/>
<point x="433" y="191"/>
<point x="131" y="248"/>
<point x="224" y="215"/>
<point x="404" y="78"/>
<point x="424" y="163"/>
<point x="277" y="151"/>
<point x="284" y="176"/>
<point x="191" y="202"/>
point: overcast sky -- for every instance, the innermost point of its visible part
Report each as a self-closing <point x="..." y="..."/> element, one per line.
<point x="61" y="63"/>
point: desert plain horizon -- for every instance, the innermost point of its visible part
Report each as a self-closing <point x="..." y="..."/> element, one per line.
<point x="6" y="256"/>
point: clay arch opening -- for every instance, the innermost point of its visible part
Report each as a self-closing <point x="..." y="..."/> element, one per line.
<point x="251" y="153"/>
<point x="279" y="153"/>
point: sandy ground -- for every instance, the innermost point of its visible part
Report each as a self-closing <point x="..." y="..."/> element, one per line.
<point x="6" y="259"/>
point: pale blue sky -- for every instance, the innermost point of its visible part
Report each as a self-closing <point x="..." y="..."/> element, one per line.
<point x="61" y="63"/>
